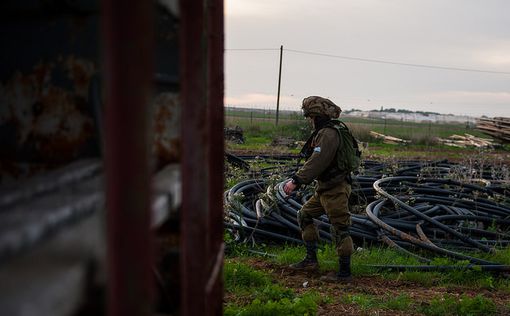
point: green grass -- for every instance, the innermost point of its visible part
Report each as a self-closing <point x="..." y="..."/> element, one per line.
<point x="412" y="130"/>
<point x="364" y="301"/>
<point x="502" y="256"/>
<point x="408" y="151"/>
<point x="439" y="306"/>
<point x="256" y="294"/>
<point x="260" y="135"/>
<point x="450" y="305"/>
<point x="298" y="306"/>
<point x="362" y="259"/>
<point x="401" y="302"/>
<point x="426" y="279"/>
<point x="239" y="276"/>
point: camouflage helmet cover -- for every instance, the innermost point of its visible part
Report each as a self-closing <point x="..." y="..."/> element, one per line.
<point x="314" y="106"/>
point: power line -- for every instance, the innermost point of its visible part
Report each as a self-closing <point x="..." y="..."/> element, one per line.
<point x="379" y="61"/>
<point x="397" y="63"/>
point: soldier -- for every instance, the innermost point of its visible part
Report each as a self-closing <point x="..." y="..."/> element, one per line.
<point x="332" y="192"/>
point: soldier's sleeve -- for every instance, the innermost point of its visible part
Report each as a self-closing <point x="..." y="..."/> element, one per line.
<point x="326" y="144"/>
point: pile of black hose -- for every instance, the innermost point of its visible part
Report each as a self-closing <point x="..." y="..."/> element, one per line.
<point x="414" y="207"/>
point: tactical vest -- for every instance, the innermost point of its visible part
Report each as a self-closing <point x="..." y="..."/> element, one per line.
<point x="348" y="156"/>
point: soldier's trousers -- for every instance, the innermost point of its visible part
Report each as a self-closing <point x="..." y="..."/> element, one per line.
<point x="335" y="204"/>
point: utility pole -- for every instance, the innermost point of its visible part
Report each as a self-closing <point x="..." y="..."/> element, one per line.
<point x="279" y="82"/>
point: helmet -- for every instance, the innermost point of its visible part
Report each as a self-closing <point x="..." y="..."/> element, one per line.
<point x="318" y="106"/>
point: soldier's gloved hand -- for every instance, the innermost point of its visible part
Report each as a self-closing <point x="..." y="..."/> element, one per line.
<point x="289" y="187"/>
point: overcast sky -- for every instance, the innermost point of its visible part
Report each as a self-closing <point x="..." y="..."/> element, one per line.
<point x="464" y="34"/>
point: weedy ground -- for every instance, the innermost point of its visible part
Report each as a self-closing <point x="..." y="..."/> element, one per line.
<point x="258" y="284"/>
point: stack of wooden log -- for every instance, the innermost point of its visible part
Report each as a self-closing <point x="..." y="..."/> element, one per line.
<point x="466" y="141"/>
<point x="389" y="139"/>
<point x="497" y="127"/>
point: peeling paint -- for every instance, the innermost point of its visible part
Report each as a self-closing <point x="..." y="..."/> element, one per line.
<point x="166" y="125"/>
<point x="43" y="121"/>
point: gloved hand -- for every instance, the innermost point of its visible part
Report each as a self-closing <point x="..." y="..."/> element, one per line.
<point x="289" y="187"/>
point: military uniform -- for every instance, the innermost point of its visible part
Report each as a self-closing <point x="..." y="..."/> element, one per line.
<point x="332" y="192"/>
<point x="331" y="196"/>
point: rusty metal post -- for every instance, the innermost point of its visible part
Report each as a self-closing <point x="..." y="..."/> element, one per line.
<point x="194" y="162"/>
<point x="127" y="28"/>
<point x="215" y="117"/>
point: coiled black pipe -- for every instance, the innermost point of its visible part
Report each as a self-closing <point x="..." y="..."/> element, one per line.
<point x="407" y="212"/>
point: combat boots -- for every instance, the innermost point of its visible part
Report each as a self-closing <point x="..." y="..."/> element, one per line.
<point x="344" y="271"/>
<point x="310" y="262"/>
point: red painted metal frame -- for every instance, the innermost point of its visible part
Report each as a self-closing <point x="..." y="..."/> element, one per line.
<point x="201" y="48"/>
<point x="195" y="184"/>
<point x="215" y="117"/>
<point x="127" y="29"/>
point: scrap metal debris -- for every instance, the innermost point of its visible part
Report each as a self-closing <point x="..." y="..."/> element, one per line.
<point x="234" y="134"/>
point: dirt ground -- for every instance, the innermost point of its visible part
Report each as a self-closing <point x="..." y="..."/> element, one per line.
<point x="373" y="286"/>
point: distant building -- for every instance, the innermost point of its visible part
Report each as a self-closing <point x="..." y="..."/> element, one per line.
<point x="414" y="117"/>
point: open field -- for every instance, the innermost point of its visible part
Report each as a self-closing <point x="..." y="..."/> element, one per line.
<point x="401" y="129"/>
<point x="260" y="130"/>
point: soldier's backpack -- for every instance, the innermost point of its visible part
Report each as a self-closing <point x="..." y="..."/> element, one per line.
<point x="349" y="154"/>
